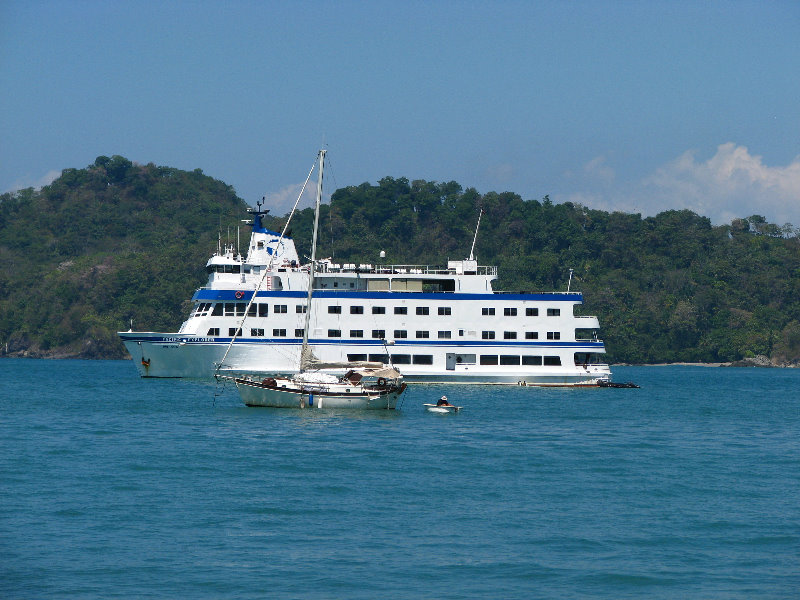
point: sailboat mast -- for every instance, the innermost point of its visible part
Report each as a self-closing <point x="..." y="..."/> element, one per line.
<point x="304" y="350"/>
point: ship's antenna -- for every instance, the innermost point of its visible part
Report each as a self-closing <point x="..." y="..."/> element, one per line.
<point x="472" y="250"/>
<point x="569" y="283"/>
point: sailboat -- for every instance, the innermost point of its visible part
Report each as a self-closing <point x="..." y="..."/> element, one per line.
<point x="364" y="385"/>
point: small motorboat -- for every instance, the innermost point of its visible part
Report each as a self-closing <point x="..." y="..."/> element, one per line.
<point x="442" y="406"/>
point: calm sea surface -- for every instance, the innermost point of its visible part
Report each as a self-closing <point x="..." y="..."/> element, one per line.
<point x="116" y="487"/>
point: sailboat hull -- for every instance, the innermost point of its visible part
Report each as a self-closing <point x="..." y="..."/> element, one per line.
<point x="286" y="393"/>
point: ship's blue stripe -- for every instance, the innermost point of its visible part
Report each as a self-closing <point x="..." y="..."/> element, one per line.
<point x="231" y="295"/>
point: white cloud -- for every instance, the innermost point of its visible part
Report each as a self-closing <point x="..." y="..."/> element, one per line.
<point x="732" y="183"/>
<point x="281" y="202"/>
<point x="28" y="181"/>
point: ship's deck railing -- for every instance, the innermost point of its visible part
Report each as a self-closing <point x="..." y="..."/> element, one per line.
<point x="326" y="267"/>
<point x="593" y="340"/>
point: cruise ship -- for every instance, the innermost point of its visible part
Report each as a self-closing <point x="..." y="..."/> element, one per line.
<point x="433" y="324"/>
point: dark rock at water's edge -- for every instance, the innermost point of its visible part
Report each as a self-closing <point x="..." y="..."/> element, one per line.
<point x="763" y="362"/>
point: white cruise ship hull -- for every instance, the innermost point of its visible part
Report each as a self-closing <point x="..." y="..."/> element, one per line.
<point x="187" y="356"/>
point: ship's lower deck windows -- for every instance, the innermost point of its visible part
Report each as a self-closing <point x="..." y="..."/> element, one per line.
<point x="263" y="310"/>
<point x="445" y="311"/>
<point x="509" y="360"/>
<point x="422" y="359"/>
<point x="552" y="361"/>
<point x="280" y="308"/>
<point x="334" y="333"/>
<point x="278" y="333"/>
<point x="531" y="335"/>
<point x="378" y="334"/>
<point x="553" y="312"/>
<point x="533" y="361"/>
<point x="213" y="331"/>
<point x="357" y="357"/>
<point x="553" y="335"/>
<point x="257" y="332"/>
<point x="531" y="312"/>
<point x="298" y="333"/>
<point x="487" y="335"/>
<point x="509" y="335"/>
<point x="423" y="335"/>
<point x="400" y="333"/>
<point x="232" y="331"/>
<point x="382" y="358"/>
<point x="445" y="335"/>
<point x="357" y="333"/>
<point x="401" y="359"/>
<point x="488" y="359"/>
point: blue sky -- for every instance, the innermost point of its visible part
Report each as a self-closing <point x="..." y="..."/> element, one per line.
<point x="631" y="106"/>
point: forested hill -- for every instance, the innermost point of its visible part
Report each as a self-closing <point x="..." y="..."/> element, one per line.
<point x="102" y="245"/>
<point x="116" y="241"/>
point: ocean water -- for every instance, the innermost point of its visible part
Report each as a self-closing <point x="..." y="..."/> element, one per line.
<point x="116" y="487"/>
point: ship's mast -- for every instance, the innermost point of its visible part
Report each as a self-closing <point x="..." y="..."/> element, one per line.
<point x="304" y="353"/>
<point x="475" y="239"/>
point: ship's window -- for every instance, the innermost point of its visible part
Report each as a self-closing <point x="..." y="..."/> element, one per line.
<point x="487" y="335"/>
<point x="400" y="333"/>
<point x="263" y="310"/>
<point x="334" y="333"/>
<point x="423" y="359"/>
<point x="553" y="312"/>
<point x="300" y="308"/>
<point x="445" y="335"/>
<point x="378" y="310"/>
<point x="509" y="312"/>
<point x="532" y="360"/>
<point x="423" y="334"/>
<point x="335" y="284"/>
<point x="230" y="309"/>
<point x="357" y="357"/>
<point x="382" y="358"/>
<point x="509" y="335"/>
<point x="461" y="333"/>
<point x="531" y="312"/>
<point x="256" y="332"/>
<point x="356" y="310"/>
<point x="378" y="334"/>
<point x="278" y="333"/>
<point x="423" y="310"/>
<point x="298" y="333"/>
<point x="335" y="310"/>
<point x="553" y="335"/>
<point x="280" y="308"/>
<point x="401" y="359"/>
<point x="357" y="333"/>
<point x="488" y="359"/>
<point x="445" y="310"/>
<point x="251" y="312"/>
<point x="507" y="359"/>
<point x="400" y="310"/>
<point x="487" y="312"/>
<point x="213" y="331"/>
<point x="232" y="331"/>
<point x="531" y="335"/>
<point x="552" y="361"/>
<point x="217" y="312"/>
<point x="240" y="307"/>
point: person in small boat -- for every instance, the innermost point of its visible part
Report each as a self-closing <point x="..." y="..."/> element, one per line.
<point x="443" y="402"/>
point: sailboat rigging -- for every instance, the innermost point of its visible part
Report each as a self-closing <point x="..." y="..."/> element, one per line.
<point x="363" y="385"/>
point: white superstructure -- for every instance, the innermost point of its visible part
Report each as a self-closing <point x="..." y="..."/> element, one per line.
<point x="434" y="324"/>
